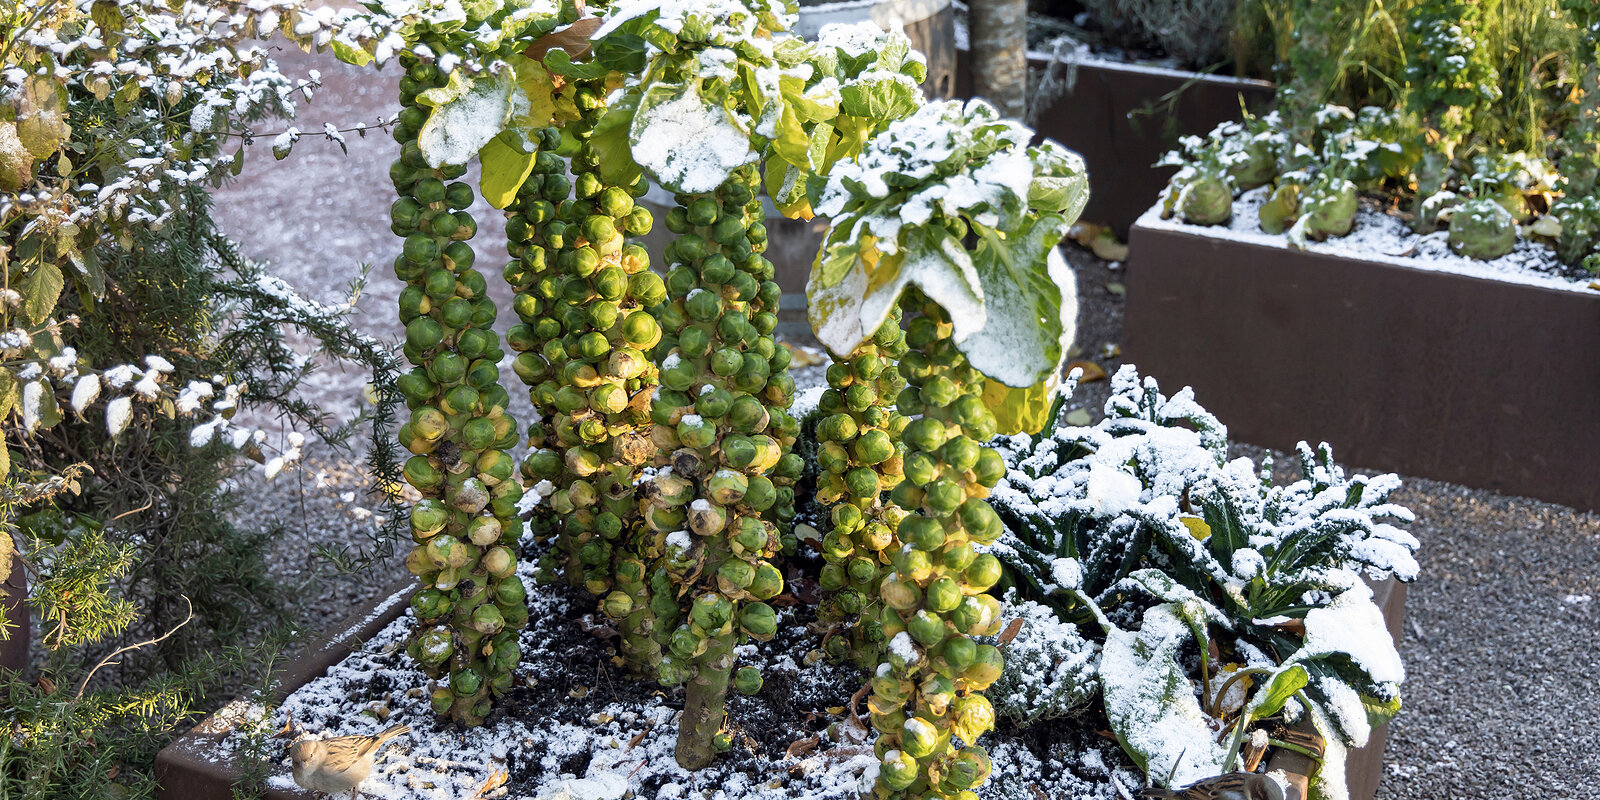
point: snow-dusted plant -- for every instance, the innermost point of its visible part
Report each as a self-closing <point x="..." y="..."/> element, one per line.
<point x="1139" y="528"/>
<point x="1051" y="667"/>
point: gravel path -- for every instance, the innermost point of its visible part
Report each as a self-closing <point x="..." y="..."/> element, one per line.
<point x="1500" y="634"/>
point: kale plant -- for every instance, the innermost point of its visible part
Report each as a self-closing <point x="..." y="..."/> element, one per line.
<point x="1219" y="598"/>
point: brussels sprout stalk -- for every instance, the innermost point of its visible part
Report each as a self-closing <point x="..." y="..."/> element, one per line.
<point x="929" y="689"/>
<point x="860" y="457"/>
<point x="723" y="470"/>
<point x="582" y="297"/>
<point x="466" y="527"/>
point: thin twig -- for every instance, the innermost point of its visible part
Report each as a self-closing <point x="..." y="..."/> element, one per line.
<point x="121" y="650"/>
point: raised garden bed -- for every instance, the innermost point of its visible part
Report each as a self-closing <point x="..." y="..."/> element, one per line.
<point x="575" y="714"/>
<point x="1435" y="366"/>
<point x="1122" y="118"/>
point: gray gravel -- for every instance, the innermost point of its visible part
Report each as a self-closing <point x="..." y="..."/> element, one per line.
<point x="1500" y="634"/>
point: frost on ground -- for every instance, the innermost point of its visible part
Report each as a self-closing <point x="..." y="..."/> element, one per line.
<point x="1388" y="239"/>
<point x="578" y="728"/>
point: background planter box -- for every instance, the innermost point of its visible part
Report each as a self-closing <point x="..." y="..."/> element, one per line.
<point x="1473" y="380"/>
<point x="192" y="768"/>
<point x="1123" y="117"/>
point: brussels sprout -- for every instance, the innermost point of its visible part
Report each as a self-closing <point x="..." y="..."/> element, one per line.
<point x="747" y="680"/>
<point x="1482" y="229"/>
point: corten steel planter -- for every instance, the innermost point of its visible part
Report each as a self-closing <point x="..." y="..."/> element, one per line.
<point x="1122" y="118"/>
<point x="1470" y="379"/>
<point x="192" y="769"/>
<point x="16" y="650"/>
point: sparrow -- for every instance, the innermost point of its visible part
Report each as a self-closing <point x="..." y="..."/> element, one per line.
<point x="1232" y="786"/>
<point x="343" y="762"/>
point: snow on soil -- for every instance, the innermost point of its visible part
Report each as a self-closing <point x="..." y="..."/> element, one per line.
<point x="558" y="750"/>
<point x="1387" y="239"/>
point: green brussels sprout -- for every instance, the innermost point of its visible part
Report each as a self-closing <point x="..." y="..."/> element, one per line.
<point x="1482" y="229"/>
<point x="747" y="680"/>
<point x="898" y="771"/>
<point x="758" y="620"/>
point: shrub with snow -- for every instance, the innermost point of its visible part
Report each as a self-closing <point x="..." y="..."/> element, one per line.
<point x="1139" y="533"/>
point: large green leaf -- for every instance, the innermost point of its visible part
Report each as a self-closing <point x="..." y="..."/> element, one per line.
<point x="686" y="142"/>
<point x="1021" y="343"/>
<point x="41" y="288"/>
<point x="503" y="169"/>
<point x="559" y="62"/>
<point x="460" y="126"/>
<point x="1150" y="704"/>
<point x="612" y="149"/>
<point x="890" y="97"/>
<point x="845" y="313"/>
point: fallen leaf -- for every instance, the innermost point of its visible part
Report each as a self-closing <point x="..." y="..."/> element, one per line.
<point x="1085" y="233"/>
<point x="1108" y="248"/>
<point x="574" y="39"/>
<point x="495" y="781"/>
<point x="800" y="747"/>
<point x="1010" y="632"/>
<point x="1110" y="350"/>
<point x="1078" y="417"/>
<point x="1116" y="288"/>
<point x="803" y="356"/>
<point x="1091" y="371"/>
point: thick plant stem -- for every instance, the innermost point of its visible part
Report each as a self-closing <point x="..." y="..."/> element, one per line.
<point x="928" y="691"/>
<point x="466" y="526"/>
<point x="703" y="702"/>
<point x="723" y="432"/>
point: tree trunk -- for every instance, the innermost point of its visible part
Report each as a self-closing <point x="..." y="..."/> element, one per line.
<point x="999" y="37"/>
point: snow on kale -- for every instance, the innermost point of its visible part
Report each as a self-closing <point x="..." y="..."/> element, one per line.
<point x="1140" y="535"/>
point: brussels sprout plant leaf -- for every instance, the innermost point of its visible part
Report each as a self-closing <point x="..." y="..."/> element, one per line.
<point x="687" y="142"/>
<point x="459" y="127"/>
<point x="504" y="168"/>
<point x="610" y="138"/>
<point x="559" y="62"/>
<point x="846" y="312"/>
<point x="1024" y="344"/>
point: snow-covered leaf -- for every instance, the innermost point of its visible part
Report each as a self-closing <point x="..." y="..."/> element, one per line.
<point x="844" y="314"/>
<point x="688" y="143"/>
<point x="119" y="413"/>
<point x="461" y="125"/>
<point x="85" y="392"/>
<point x="1025" y="342"/>
<point x="1152" y="708"/>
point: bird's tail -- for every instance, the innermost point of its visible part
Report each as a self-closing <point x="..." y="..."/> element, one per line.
<point x="389" y="733"/>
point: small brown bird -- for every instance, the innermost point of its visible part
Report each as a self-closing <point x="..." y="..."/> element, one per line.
<point x="337" y="764"/>
<point x="1232" y="786"/>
